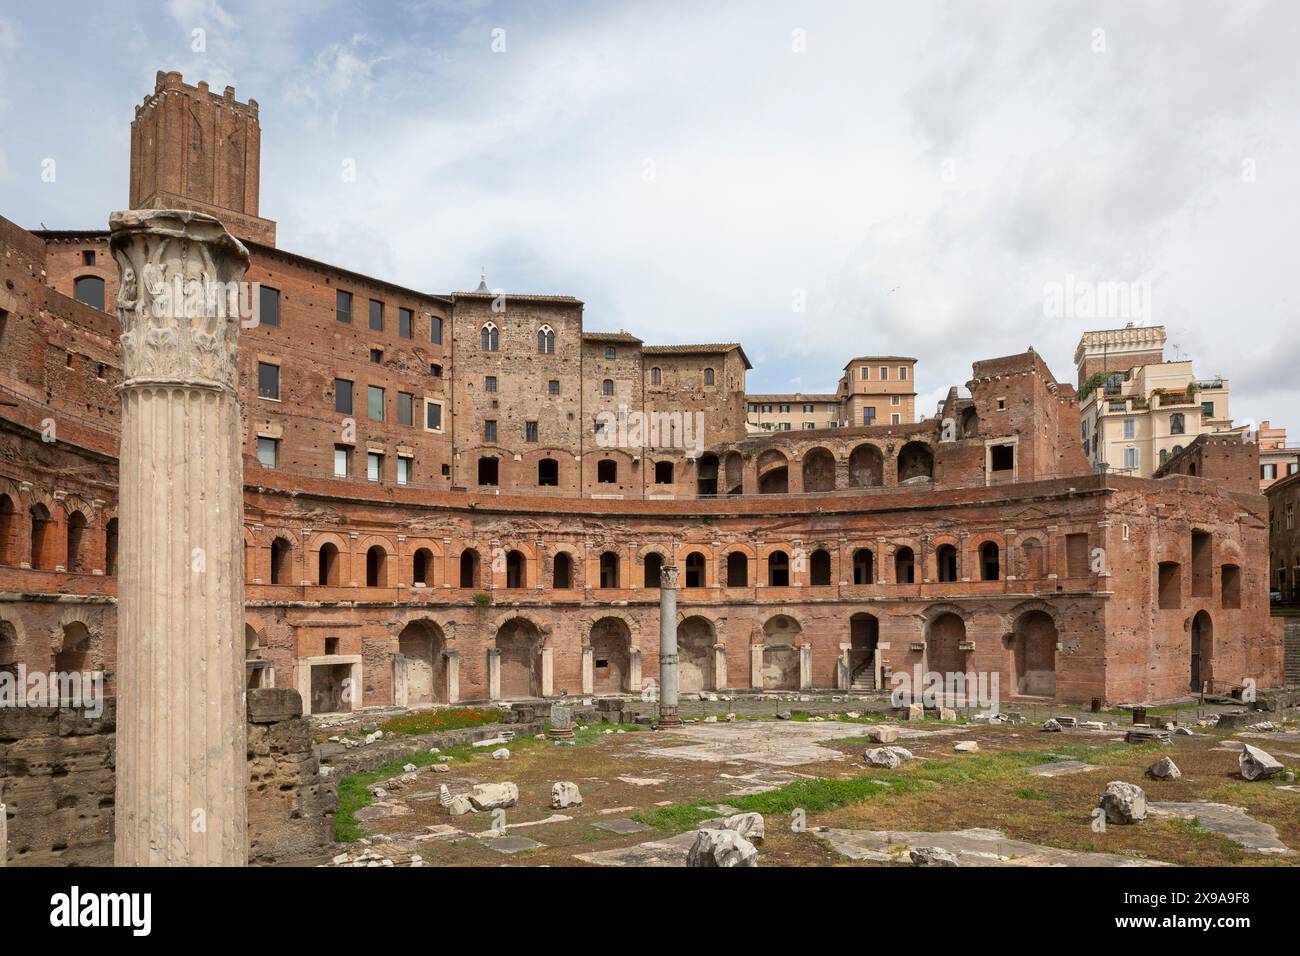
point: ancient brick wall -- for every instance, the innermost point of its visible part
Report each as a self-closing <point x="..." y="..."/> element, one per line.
<point x="57" y="777"/>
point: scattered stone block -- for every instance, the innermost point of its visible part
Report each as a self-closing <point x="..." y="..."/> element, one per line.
<point x="1147" y="735"/>
<point x="721" y="848"/>
<point x="882" y="735"/>
<point x="882" y="757"/>
<point x="1257" y="765"/>
<point x="565" y="794"/>
<point x="493" y="796"/>
<point x="966" y="746"/>
<point x="501" y="754"/>
<point x="947" y="713"/>
<point x="1164" y="769"/>
<point x="1052" y="725"/>
<point x="1124" y="802"/>
<point x="932" y="856"/>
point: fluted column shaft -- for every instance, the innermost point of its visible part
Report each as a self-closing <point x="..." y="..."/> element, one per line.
<point x="181" y="774"/>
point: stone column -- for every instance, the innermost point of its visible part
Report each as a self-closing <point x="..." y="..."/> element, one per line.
<point x="494" y="674"/>
<point x="588" y="669"/>
<point x="719" y="666"/>
<point x="805" y="667"/>
<point x="756" y="666"/>
<point x="548" y="672"/>
<point x="452" y="660"/>
<point x="181" y="773"/>
<point x="634" y="672"/>
<point x="668" y="645"/>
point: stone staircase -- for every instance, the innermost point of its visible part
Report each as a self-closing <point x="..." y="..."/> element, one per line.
<point x="864" y="679"/>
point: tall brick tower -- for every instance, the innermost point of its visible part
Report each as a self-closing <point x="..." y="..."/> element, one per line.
<point x="194" y="149"/>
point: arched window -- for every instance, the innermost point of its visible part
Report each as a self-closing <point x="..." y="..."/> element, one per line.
<point x="40" y="516"/>
<point x="989" y="565"/>
<point x="422" y="566"/>
<point x="708" y="376"/>
<point x="656" y="376"/>
<point x="76" y="534"/>
<point x="327" y="571"/>
<point x="8" y="531"/>
<point x="654" y="563"/>
<point x="516" y="570"/>
<point x="609" y="570"/>
<point x="864" y="570"/>
<point x="546" y="340"/>
<point x="90" y="290"/>
<point x="819" y="568"/>
<point x="548" y="472"/>
<point x="562" y="578"/>
<point x="469" y="567"/>
<point x="607" y="472"/>
<point x="110" y="547"/>
<point x="737" y="570"/>
<point x="607" y="387"/>
<point x="904" y="566"/>
<point x="695" y="570"/>
<point x="489" y="338"/>
<point x="778" y="569"/>
<point x="376" y="567"/>
<point x="945" y="559"/>
<point x="1177" y="426"/>
<point x="281" y="550"/>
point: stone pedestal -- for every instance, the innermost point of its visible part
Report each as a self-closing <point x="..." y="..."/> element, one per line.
<point x="844" y="668"/>
<point x="756" y="666"/>
<point x="719" y="666"/>
<point x="668" y="646"/>
<point x="181" y="774"/>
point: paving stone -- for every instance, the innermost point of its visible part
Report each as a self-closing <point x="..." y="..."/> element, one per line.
<point x="1060" y="768"/>
<point x="620" y="825"/>
<point x="1229" y="821"/>
<point x="512" y="844"/>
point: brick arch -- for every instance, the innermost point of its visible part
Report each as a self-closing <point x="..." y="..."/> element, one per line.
<point x="567" y="468"/>
<point x="935" y="611"/>
<point x="710" y="557"/>
<point x="818" y="466"/>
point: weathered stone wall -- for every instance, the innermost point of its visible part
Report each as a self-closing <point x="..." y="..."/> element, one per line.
<point x="57" y="778"/>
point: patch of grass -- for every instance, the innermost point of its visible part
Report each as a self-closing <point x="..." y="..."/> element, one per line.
<point x="431" y="722"/>
<point x="819" y="796"/>
<point x="354" y="792"/>
<point x="1031" y="793"/>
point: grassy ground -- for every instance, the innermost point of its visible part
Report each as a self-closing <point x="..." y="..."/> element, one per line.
<point x="623" y="775"/>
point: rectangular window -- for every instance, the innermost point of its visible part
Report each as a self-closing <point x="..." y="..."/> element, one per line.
<point x="753" y="407"/>
<point x="342" y="461"/>
<point x="405" y="323"/>
<point x="884" y="373"/>
<point x="375" y="403"/>
<point x="343" y="306"/>
<point x="268" y="305"/>
<point x="490" y="383"/>
<point x="268" y="380"/>
<point x="902" y="373"/>
<point x="490" y="431"/>
<point x="767" y="409"/>
<point x="866" y="373"/>
<point x="343" y="396"/>
<point x="553" y="387"/>
<point x="404" y="469"/>
<point x="785" y="409"/>
<point x="374" y="466"/>
<point x="435" y="329"/>
<point x="609" y="352"/>
<point x="1131" y="459"/>
<point x="893" y="419"/>
<point x="1207" y="409"/>
<point x="896" y="400"/>
<point x="405" y="408"/>
<point x="868" y="416"/>
<point x="1130" y="428"/>
<point x="785" y="426"/>
<point x="376" y="356"/>
<point x="530" y="432"/>
<point x="1268" y="472"/>
<point x="432" y="416"/>
<point x="807" y="409"/>
<point x="268" y="452"/>
<point x="376" y="315"/>
<point x="809" y="426"/>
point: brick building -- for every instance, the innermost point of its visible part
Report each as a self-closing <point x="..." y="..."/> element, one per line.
<point x="469" y="496"/>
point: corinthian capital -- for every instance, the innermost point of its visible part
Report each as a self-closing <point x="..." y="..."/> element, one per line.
<point x="668" y="577"/>
<point x="179" y="298"/>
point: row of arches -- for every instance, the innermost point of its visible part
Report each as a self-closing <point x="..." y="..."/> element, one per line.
<point x="736" y="567"/>
<point x="818" y="469"/>
<point x="36" y="539"/>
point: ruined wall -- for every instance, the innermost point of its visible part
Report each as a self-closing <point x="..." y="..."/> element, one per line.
<point x="57" y="777"/>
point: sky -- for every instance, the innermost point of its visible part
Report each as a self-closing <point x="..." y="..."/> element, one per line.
<point x="816" y="181"/>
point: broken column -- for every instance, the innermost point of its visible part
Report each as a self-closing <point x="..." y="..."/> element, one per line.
<point x="668" y="645"/>
<point x="181" y="774"/>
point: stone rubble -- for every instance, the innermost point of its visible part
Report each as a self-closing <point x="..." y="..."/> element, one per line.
<point x="1124" y="802"/>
